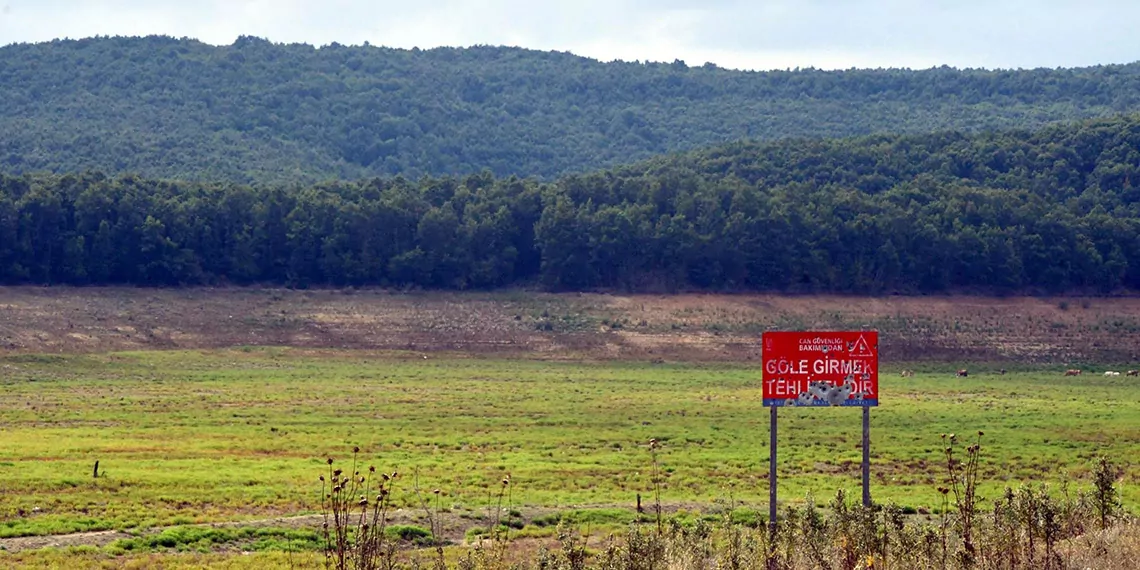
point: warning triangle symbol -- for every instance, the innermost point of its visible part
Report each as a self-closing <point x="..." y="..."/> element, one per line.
<point x="861" y="348"/>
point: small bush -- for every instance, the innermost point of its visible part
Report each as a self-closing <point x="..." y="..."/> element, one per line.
<point x="1106" y="497"/>
<point x="408" y="532"/>
<point x="747" y="517"/>
<point x="547" y="520"/>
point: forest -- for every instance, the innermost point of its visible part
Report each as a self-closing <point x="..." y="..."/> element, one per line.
<point x="256" y="112"/>
<point x="1052" y="209"/>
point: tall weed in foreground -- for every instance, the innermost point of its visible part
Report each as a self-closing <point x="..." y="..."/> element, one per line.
<point x="1031" y="527"/>
<point x="1106" y="498"/>
<point x="355" y="508"/>
<point x="963" y="481"/>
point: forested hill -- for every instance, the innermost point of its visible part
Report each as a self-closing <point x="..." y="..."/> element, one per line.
<point x="1052" y="210"/>
<point x="257" y="111"/>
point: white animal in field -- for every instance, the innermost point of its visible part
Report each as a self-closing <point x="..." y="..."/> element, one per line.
<point x="1111" y="373"/>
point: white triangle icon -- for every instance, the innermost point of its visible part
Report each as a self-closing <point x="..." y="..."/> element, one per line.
<point x="861" y="348"/>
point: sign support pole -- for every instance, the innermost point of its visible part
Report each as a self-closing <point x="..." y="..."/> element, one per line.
<point x="772" y="474"/>
<point x="866" y="455"/>
<point x="820" y="368"/>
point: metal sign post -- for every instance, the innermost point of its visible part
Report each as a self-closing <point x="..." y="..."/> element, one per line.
<point x="820" y="369"/>
<point x="866" y="456"/>
<point x="772" y="473"/>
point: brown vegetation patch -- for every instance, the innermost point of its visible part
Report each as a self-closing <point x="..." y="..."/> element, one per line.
<point x="644" y="327"/>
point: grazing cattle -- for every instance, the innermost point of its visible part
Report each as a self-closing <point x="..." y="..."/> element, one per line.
<point x="1134" y="372"/>
<point x="1111" y="373"/>
<point x="1002" y="371"/>
<point x="962" y="373"/>
<point x="907" y="373"/>
<point x="1072" y="372"/>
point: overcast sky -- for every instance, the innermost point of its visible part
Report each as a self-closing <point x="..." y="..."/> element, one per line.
<point x="756" y="34"/>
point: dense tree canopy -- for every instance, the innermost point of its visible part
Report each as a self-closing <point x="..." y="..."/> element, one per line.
<point x="1057" y="209"/>
<point x="256" y="111"/>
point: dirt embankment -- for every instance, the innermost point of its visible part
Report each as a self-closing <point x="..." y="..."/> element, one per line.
<point x="668" y="327"/>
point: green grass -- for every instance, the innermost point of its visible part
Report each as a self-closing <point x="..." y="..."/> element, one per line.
<point x="206" y="539"/>
<point x="411" y="533"/>
<point x="189" y="437"/>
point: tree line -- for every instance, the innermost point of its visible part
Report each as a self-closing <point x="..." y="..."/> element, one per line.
<point x="1050" y="210"/>
<point x="255" y="111"/>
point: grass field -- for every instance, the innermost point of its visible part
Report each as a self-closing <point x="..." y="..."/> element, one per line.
<point x="203" y="436"/>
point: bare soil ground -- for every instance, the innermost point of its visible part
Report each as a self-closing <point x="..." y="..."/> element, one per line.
<point x="452" y="526"/>
<point x="98" y="538"/>
<point x="542" y="325"/>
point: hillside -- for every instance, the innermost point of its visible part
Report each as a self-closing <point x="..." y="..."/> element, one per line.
<point x="1058" y="331"/>
<point x="1049" y="211"/>
<point x="257" y="111"/>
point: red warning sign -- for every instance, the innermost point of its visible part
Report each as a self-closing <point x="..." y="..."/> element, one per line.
<point x="821" y="368"/>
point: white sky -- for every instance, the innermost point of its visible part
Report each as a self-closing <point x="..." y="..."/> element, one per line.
<point x="757" y="34"/>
